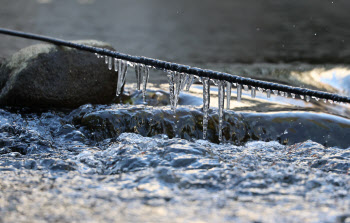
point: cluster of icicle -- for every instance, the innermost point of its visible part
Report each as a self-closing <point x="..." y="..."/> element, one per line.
<point x="181" y="81"/>
<point x="121" y="66"/>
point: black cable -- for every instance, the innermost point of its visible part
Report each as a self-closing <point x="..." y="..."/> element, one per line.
<point x="163" y="65"/>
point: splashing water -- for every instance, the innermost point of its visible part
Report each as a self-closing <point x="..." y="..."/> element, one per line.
<point x="221" y="98"/>
<point x="206" y="104"/>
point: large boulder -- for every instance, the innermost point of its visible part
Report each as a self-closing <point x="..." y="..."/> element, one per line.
<point x="46" y="75"/>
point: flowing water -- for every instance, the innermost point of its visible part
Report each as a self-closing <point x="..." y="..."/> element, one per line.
<point x="122" y="163"/>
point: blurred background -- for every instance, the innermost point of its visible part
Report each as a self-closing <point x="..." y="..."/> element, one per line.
<point x="192" y="32"/>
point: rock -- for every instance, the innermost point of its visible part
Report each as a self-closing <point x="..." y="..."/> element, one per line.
<point x="46" y="75"/>
<point x="285" y="127"/>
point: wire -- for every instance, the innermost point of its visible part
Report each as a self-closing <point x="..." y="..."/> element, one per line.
<point x="163" y="65"/>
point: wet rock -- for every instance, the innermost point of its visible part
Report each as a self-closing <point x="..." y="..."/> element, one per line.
<point x="287" y="128"/>
<point x="45" y="75"/>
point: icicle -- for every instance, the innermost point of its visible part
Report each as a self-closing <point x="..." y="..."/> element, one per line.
<point x="216" y="82"/>
<point x="122" y="69"/>
<point x="189" y="83"/>
<point x="275" y="92"/>
<point x="330" y="101"/>
<point x="145" y="76"/>
<point x="246" y="88"/>
<point x="171" y="89"/>
<point x="97" y="55"/>
<point x="178" y="80"/>
<point x="293" y="95"/>
<point x="106" y="59"/>
<point x="116" y="64"/>
<point x="325" y="100"/>
<point x="268" y="93"/>
<point x="228" y="94"/>
<point x="221" y="97"/>
<point x="302" y="97"/>
<point x="307" y="98"/>
<point x="316" y="98"/>
<point x="253" y="92"/>
<point x="206" y="105"/>
<point x="282" y="93"/>
<point x="260" y="89"/>
<point x="286" y="94"/>
<point x="110" y="64"/>
<point x="239" y="92"/>
<point x="185" y="78"/>
<point x="138" y="72"/>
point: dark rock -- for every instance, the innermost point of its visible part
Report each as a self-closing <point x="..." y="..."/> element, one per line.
<point x="287" y="128"/>
<point x="45" y="75"/>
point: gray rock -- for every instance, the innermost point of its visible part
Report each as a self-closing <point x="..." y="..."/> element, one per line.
<point x="46" y="75"/>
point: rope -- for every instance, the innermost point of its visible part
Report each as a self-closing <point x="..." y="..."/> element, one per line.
<point x="163" y="65"/>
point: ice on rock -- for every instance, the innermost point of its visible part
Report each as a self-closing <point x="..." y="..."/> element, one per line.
<point x="253" y="92"/>
<point x="221" y="98"/>
<point x="239" y="92"/>
<point x="206" y="105"/>
<point x="122" y="69"/>
<point x="228" y="94"/>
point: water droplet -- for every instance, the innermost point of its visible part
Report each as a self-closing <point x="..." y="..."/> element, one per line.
<point x="228" y="94"/>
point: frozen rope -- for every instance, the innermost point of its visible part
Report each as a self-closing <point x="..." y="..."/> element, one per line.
<point x="163" y="65"/>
